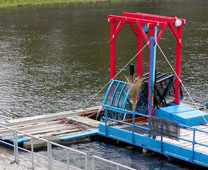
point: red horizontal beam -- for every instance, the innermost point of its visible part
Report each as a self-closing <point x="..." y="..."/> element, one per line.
<point x="152" y="17"/>
<point x="112" y="18"/>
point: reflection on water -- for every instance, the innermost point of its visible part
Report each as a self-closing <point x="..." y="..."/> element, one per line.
<point x="54" y="58"/>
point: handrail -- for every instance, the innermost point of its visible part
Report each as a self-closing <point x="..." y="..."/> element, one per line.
<point x="49" y="151"/>
<point x="122" y="122"/>
<point x="108" y="161"/>
<point x="194" y="129"/>
<point x="124" y="111"/>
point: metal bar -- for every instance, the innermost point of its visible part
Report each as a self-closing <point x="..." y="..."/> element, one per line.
<point x="111" y="162"/>
<point x="64" y="147"/>
<point x="178" y="66"/>
<point x="93" y="163"/>
<point x="151" y="77"/>
<point x="194" y="132"/>
<point x="161" y="149"/>
<point x="133" y="124"/>
<point x="49" y="155"/>
<point x="201" y="144"/>
<point x="142" y="32"/>
<point x="114" y="93"/>
<point x="114" y="18"/>
<point x="85" y="162"/>
<point x="114" y="120"/>
<point x="201" y="130"/>
<point x="108" y="91"/>
<point x="176" y="34"/>
<point x="120" y="94"/>
<point x="125" y="99"/>
<point x="133" y="28"/>
<point x="123" y="111"/>
<point x="156" y="18"/>
<point x="142" y="127"/>
<point x="35" y="137"/>
<point x="141" y="114"/>
<point x="106" y="120"/>
<point x="118" y="28"/>
<point x="32" y="153"/>
<point x="32" y="146"/>
<point x="161" y="32"/>
<point x="16" y="156"/>
<point x="184" y="139"/>
<point x="113" y="51"/>
<point x="140" y="55"/>
<point x="67" y="158"/>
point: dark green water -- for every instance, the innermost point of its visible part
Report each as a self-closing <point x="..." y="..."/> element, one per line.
<point x="54" y="58"/>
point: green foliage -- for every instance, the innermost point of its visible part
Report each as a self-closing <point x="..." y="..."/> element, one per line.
<point x="13" y="3"/>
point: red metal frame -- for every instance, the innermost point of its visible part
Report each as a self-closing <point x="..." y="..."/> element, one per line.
<point x="139" y="19"/>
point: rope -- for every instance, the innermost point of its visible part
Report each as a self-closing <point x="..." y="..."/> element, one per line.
<point x="111" y="79"/>
<point x="115" y="75"/>
<point x="179" y="79"/>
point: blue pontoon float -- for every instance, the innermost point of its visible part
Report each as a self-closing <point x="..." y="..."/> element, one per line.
<point x="161" y="122"/>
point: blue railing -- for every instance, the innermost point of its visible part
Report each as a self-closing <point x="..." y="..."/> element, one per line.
<point x="122" y="111"/>
<point x="133" y="125"/>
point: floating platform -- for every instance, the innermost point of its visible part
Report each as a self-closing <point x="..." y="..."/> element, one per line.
<point x="56" y="127"/>
<point x="190" y="145"/>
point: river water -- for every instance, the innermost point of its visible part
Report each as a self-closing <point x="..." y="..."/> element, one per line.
<point x="55" y="57"/>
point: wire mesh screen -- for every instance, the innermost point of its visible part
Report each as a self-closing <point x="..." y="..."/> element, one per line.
<point x="163" y="127"/>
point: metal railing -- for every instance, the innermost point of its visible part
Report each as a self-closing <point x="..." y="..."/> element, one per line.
<point x="49" y="145"/>
<point x="49" y="157"/>
<point x="192" y="140"/>
<point x="122" y="111"/>
<point x="118" y="166"/>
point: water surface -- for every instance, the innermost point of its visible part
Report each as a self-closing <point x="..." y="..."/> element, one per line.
<point x="54" y="58"/>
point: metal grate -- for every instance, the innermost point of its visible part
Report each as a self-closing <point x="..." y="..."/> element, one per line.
<point x="163" y="127"/>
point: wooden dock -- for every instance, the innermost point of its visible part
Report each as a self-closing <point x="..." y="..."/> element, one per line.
<point x="188" y="135"/>
<point x="52" y="127"/>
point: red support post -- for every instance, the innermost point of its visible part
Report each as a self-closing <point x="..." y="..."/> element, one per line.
<point x="113" y="50"/>
<point x="178" y="65"/>
<point x="140" y="55"/>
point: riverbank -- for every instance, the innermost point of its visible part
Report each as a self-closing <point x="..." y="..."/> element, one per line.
<point x="14" y="3"/>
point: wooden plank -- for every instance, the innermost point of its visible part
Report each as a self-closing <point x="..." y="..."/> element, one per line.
<point x="47" y="117"/>
<point x="29" y="126"/>
<point x="92" y="108"/>
<point x="85" y="121"/>
<point x="40" y="118"/>
<point x="175" y="142"/>
<point x="56" y="134"/>
<point x="187" y="145"/>
<point x="29" y="130"/>
<point x="36" y="132"/>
